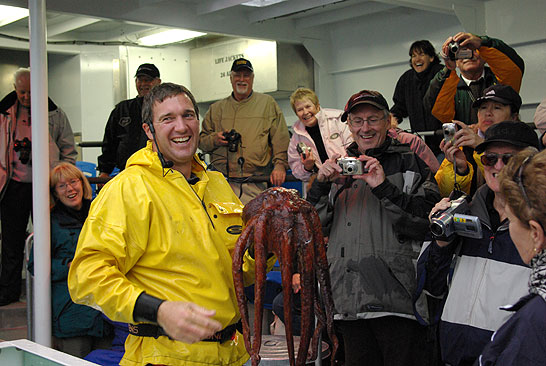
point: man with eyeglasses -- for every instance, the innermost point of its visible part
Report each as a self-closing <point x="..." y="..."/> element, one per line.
<point x="123" y="134"/>
<point x="462" y="162"/>
<point x="487" y="272"/>
<point x="378" y="221"/>
<point x="246" y="135"/>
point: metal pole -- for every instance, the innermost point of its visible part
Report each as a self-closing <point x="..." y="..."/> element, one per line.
<point x="40" y="171"/>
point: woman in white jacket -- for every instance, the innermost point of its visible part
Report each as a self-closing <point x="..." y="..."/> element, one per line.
<point x="320" y="129"/>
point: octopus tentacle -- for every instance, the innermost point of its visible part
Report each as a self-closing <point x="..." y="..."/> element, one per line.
<point x="285" y="261"/>
<point x="323" y="274"/>
<point x="305" y="239"/>
<point x="238" y="254"/>
<point x="260" y="256"/>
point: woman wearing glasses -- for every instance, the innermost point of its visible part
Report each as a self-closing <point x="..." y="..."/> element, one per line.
<point x="478" y="274"/>
<point x="77" y="329"/>
<point x="521" y="340"/>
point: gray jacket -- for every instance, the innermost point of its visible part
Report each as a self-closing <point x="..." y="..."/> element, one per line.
<point x="375" y="234"/>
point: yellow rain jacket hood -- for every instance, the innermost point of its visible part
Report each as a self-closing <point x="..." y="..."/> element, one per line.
<point x="159" y="234"/>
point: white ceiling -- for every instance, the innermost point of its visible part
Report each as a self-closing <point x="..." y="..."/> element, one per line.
<point x="290" y="21"/>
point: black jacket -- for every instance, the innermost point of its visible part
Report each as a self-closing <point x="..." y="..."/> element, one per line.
<point x="408" y="102"/>
<point x="123" y="135"/>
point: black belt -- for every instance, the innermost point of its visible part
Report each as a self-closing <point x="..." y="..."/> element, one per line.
<point x="152" y="330"/>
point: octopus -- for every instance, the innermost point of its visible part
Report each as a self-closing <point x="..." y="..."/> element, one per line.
<point x="278" y="221"/>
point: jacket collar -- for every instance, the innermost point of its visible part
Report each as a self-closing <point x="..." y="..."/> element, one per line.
<point x="10" y="100"/>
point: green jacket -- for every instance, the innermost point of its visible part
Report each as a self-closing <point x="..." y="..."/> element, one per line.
<point x="68" y="319"/>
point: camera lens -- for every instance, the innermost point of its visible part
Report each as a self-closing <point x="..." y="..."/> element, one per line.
<point x="437" y="229"/>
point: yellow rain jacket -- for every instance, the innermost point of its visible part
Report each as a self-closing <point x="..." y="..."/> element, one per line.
<point x="445" y="176"/>
<point x="146" y="232"/>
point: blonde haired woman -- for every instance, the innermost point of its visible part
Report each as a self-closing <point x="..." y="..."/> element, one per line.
<point x="77" y="329"/>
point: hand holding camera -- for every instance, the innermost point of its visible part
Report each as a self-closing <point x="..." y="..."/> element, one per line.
<point x="24" y="149"/>
<point x="449" y="219"/>
<point x="233" y="139"/>
<point x="460" y="46"/>
<point x="364" y="167"/>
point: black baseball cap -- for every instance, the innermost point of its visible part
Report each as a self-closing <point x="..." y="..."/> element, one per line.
<point x="241" y="63"/>
<point x="371" y="97"/>
<point x="148" y="70"/>
<point x="504" y="94"/>
<point x="518" y="134"/>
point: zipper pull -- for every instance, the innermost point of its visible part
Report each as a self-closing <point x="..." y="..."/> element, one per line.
<point x="490" y="249"/>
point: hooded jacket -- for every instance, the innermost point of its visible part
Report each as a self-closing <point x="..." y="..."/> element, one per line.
<point x="159" y="234"/>
<point x="376" y="234"/>
<point x="487" y="274"/>
<point x="61" y="138"/>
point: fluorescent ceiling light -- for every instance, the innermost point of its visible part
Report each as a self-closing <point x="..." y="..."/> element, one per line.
<point x="262" y="3"/>
<point x="169" y="36"/>
<point x="10" y="14"/>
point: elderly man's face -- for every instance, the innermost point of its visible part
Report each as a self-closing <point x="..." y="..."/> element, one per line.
<point x="368" y="126"/>
<point x="242" y="82"/>
<point x="145" y="83"/>
<point x="472" y="65"/>
<point x="22" y="88"/>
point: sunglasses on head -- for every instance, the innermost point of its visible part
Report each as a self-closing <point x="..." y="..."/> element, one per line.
<point x="490" y="159"/>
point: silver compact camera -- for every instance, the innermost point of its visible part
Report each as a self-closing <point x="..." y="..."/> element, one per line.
<point x="303" y="149"/>
<point x="449" y="131"/>
<point x="445" y="224"/>
<point x="351" y="166"/>
<point x="456" y="52"/>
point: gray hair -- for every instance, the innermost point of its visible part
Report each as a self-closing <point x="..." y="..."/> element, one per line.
<point x="161" y="92"/>
<point x="20" y="72"/>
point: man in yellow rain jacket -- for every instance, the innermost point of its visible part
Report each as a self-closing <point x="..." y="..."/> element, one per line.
<point x="156" y="248"/>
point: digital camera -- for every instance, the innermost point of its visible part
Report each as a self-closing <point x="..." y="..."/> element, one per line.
<point x="303" y="149"/>
<point x="23" y="147"/>
<point x="233" y="138"/>
<point x="456" y="52"/>
<point x="449" y="131"/>
<point x="445" y="224"/>
<point x="351" y="166"/>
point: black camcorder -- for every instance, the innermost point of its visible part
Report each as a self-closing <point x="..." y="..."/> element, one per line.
<point x="23" y="147"/>
<point x="233" y="138"/>
<point x="454" y="221"/>
<point x="456" y="52"/>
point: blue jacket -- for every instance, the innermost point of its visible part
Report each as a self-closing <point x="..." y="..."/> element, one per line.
<point x="484" y="274"/>
<point x="521" y="341"/>
<point x="69" y="319"/>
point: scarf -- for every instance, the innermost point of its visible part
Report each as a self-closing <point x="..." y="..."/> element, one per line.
<point x="537" y="281"/>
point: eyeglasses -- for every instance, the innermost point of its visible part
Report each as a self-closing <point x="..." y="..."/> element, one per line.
<point x="519" y="179"/>
<point x="359" y="122"/>
<point x="490" y="159"/>
<point x="72" y="183"/>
